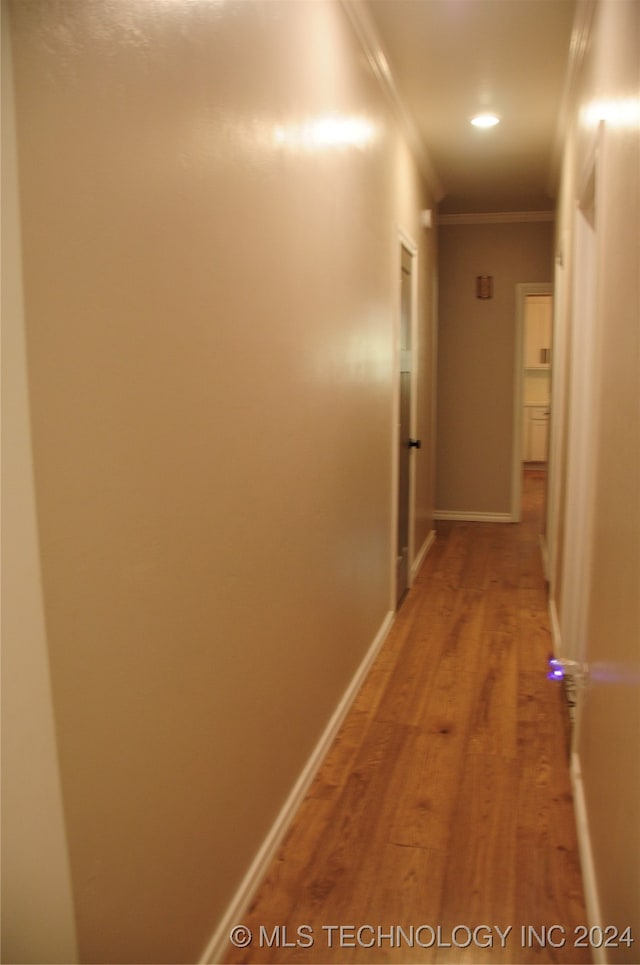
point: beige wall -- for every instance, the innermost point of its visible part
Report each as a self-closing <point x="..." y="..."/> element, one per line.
<point x="35" y="866"/>
<point x="608" y="738"/>
<point x="210" y="295"/>
<point x="476" y="358"/>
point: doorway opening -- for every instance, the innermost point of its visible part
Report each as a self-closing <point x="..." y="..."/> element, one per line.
<point x="532" y="396"/>
<point x="405" y="443"/>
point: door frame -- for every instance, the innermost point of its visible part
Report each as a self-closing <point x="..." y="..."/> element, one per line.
<point x="523" y="289"/>
<point x="557" y="425"/>
<point x="403" y="240"/>
<point x="582" y="413"/>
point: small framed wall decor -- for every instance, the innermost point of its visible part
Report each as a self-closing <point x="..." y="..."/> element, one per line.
<point x="484" y="286"/>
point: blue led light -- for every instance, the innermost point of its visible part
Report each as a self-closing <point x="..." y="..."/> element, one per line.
<point x="557" y="670"/>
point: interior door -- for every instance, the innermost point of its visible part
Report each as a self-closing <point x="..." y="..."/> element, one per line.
<point x="404" y="433"/>
<point x="580" y="492"/>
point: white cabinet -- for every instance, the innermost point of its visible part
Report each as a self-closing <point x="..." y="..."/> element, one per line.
<point x="535" y="433"/>
<point x="537" y="347"/>
<point x="538" y="436"/>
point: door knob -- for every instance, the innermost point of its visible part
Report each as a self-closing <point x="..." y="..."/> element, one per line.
<point x="414" y="444"/>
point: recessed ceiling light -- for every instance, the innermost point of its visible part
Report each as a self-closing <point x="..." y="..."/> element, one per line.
<point x="485" y="120"/>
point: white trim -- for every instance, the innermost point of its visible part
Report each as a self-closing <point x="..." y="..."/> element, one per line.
<point x="496" y="217"/>
<point x="395" y="437"/>
<point x="367" y="33"/>
<point x="435" y="309"/>
<point x="37" y="883"/>
<point x="589" y="879"/>
<point x="413" y="411"/>
<point x="555" y="628"/>
<point x="582" y="409"/>
<point x="523" y="290"/>
<point x="404" y="240"/>
<point x="217" y="946"/>
<point x="518" y="398"/>
<point x="557" y="424"/>
<point x="472" y="517"/>
<point x="422" y="555"/>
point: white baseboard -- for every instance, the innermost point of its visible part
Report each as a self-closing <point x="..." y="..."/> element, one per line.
<point x="471" y="517"/>
<point x="586" y="857"/>
<point x="422" y="555"/>
<point x="214" y="952"/>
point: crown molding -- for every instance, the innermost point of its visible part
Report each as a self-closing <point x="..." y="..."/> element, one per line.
<point x="496" y="217"/>
<point x="367" y="33"/>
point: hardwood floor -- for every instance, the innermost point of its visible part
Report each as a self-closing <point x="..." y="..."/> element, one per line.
<point x="445" y="799"/>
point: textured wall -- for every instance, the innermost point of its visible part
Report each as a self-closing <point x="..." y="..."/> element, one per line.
<point x="476" y="358"/>
<point x="607" y="742"/>
<point x="37" y="911"/>
<point x="210" y="194"/>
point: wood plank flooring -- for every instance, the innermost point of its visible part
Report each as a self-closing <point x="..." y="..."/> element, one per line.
<point x="445" y="799"/>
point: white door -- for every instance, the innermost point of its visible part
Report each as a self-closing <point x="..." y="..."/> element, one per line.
<point x="405" y="443"/>
<point x="582" y="389"/>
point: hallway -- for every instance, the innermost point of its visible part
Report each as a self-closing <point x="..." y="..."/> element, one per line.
<point x="205" y="210"/>
<point x="445" y="799"/>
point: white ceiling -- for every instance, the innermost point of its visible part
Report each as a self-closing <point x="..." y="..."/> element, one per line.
<point x="450" y="59"/>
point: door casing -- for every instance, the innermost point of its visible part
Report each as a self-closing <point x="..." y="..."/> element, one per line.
<point x="407" y="244"/>
<point x="522" y="291"/>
